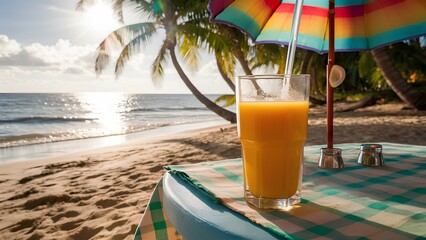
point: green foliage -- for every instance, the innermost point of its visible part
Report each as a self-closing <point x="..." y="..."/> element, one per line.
<point x="158" y="6"/>
<point x="157" y="66"/>
<point x="410" y="58"/>
<point x="140" y="35"/>
<point x="370" y="73"/>
<point x="228" y="100"/>
<point x="366" y="65"/>
<point x="269" y="56"/>
<point x="190" y="53"/>
<point x="128" y="40"/>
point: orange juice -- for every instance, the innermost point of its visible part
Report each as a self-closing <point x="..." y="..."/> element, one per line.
<point x="272" y="135"/>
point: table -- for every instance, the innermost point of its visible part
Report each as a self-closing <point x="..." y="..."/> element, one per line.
<point x="205" y="201"/>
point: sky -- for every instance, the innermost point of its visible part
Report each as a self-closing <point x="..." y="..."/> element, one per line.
<point x="48" y="46"/>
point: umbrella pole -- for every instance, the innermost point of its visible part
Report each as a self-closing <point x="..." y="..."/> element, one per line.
<point x="329" y="66"/>
<point x="330" y="158"/>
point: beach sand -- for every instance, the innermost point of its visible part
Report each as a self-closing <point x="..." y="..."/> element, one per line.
<point x="102" y="194"/>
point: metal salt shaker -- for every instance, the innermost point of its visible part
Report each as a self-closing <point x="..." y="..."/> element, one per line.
<point x="371" y="155"/>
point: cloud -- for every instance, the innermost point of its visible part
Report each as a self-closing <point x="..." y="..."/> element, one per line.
<point x="210" y="67"/>
<point x="74" y="70"/>
<point x="59" y="9"/>
<point x="60" y="57"/>
<point x="23" y="58"/>
<point x="67" y="67"/>
<point x="8" y="46"/>
<point x="62" y="53"/>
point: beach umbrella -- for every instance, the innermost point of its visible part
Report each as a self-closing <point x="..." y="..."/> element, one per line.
<point x="324" y="26"/>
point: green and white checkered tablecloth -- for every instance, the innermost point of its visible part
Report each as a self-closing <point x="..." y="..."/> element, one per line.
<point x="355" y="202"/>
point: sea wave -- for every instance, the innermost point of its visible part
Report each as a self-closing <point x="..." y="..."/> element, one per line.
<point x="27" y="119"/>
<point x="38" y="138"/>
<point x="167" y="109"/>
<point x="45" y="120"/>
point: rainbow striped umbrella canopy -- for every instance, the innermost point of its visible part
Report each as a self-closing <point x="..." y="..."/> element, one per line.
<point x="359" y="24"/>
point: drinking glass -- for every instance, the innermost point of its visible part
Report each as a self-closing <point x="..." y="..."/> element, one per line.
<point x="272" y="127"/>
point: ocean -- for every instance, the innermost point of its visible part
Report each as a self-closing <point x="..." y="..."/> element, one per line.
<point x="34" y="125"/>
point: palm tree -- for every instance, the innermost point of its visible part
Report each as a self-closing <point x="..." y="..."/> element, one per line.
<point x="394" y="79"/>
<point x="228" y="44"/>
<point x="170" y="15"/>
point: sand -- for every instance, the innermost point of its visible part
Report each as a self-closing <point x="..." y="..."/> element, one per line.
<point x="102" y="194"/>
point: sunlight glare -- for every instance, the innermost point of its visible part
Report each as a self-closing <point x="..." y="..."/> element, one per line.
<point x="100" y="18"/>
<point x="106" y="108"/>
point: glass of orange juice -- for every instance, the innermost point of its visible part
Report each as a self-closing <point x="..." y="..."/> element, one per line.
<point x="272" y="127"/>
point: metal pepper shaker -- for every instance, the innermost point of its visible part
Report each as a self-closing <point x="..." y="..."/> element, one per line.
<point x="371" y="155"/>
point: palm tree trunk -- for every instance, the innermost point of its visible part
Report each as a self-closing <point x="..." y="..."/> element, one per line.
<point x="399" y="85"/>
<point x="225" y="114"/>
<point x="223" y="74"/>
<point x="242" y="60"/>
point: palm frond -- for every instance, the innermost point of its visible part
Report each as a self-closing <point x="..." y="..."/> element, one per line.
<point x="157" y="69"/>
<point x="190" y="53"/>
<point x="132" y="31"/>
<point x="122" y="59"/>
<point x="192" y="9"/>
<point x="269" y="56"/>
<point x="103" y="51"/>
<point x="207" y="38"/>
<point x="366" y="65"/>
<point x="228" y="62"/>
<point x="132" y="48"/>
<point x="228" y="100"/>
<point x="128" y="39"/>
<point x="150" y="9"/>
<point x="118" y="10"/>
<point x="213" y="40"/>
<point x="81" y="4"/>
<point x="102" y="61"/>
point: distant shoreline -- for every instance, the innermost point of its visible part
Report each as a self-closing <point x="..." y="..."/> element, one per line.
<point x="54" y="149"/>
